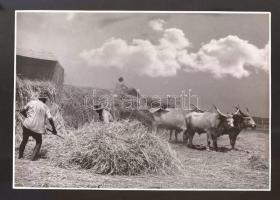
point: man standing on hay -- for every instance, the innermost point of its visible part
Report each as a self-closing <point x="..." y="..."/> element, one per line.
<point x="35" y="113"/>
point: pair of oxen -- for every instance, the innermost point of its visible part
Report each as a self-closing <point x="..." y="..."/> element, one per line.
<point x="214" y="124"/>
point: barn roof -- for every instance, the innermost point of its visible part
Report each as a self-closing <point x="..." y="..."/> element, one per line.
<point x="44" y="55"/>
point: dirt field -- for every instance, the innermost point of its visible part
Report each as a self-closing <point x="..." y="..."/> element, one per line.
<point x="245" y="168"/>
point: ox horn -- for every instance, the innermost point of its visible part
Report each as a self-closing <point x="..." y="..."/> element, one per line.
<point x="243" y="114"/>
<point x="196" y="108"/>
<point x="237" y="107"/>
<point x="220" y="113"/>
<point x="247" y="109"/>
<point x="237" y="110"/>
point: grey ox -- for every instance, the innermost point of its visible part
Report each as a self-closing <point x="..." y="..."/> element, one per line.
<point x="169" y="118"/>
<point x="172" y="119"/>
<point x="213" y="124"/>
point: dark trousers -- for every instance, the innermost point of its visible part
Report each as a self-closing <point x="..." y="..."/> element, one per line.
<point x="38" y="137"/>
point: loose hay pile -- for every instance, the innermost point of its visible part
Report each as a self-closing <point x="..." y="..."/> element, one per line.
<point x="257" y="162"/>
<point x="119" y="148"/>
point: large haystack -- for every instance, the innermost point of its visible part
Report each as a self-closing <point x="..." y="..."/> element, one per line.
<point x="119" y="148"/>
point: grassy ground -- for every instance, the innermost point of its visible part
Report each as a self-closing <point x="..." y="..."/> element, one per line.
<point x="248" y="167"/>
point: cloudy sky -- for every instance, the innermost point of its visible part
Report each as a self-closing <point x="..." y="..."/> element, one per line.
<point x="223" y="58"/>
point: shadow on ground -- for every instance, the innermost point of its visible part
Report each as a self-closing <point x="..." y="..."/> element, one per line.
<point x="202" y="147"/>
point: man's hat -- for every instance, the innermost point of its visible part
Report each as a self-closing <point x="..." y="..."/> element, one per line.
<point x="98" y="107"/>
<point x="43" y="96"/>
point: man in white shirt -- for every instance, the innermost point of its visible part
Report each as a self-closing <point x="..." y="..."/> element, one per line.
<point x="36" y="112"/>
<point x="104" y="115"/>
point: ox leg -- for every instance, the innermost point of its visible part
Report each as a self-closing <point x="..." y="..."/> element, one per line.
<point x="190" y="136"/>
<point x="232" y="139"/>
<point x="215" y="143"/>
<point x="185" y="136"/>
<point x="170" y="135"/>
<point x="208" y="141"/>
<point x="154" y="129"/>
<point x="176" y="135"/>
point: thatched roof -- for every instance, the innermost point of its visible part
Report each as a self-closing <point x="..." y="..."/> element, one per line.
<point x="44" y="55"/>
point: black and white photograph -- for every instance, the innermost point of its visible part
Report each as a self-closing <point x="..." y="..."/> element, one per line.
<point x="142" y="100"/>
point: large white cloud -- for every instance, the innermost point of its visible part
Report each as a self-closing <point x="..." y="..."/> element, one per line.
<point x="174" y="38"/>
<point x="141" y="56"/>
<point x="157" y="24"/>
<point x="226" y="56"/>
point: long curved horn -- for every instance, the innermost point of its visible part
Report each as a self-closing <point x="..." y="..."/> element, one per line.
<point x="236" y="107"/>
<point x="196" y="108"/>
<point x="217" y="109"/>
<point x="237" y="110"/>
<point x="243" y="114"/>
<point x="193" y="105"/>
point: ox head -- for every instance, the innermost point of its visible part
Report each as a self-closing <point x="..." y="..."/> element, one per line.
<point x="243" y="119"/>
<point x="227" y="118"/>
<point x="157" y="112"/>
